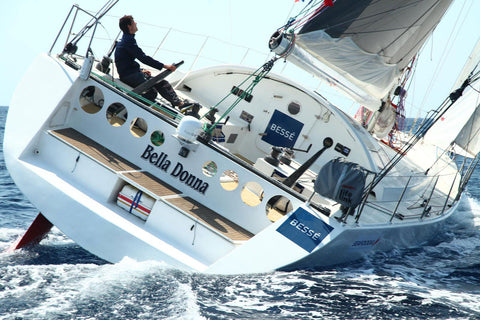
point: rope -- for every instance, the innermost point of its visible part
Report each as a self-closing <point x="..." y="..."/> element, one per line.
<point x="308" y="13"/>
<point x="259" y="75"/>
<point x="448" y="47"/>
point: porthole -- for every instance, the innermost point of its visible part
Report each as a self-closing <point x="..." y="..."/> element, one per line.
<point x="229" y="180"/>
<point x="157" y="138"/>
<point x="294" y="107"/>
<point x="117" y="114"/>
<point x="209" y="168"/>
<point x="277" y="207"/>
<point x="252" y="194"/>
<point x="138" y="127"/>
<point x="91" y="99"/>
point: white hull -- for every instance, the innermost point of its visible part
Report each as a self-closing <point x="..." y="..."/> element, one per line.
<point x="78" y="192"/>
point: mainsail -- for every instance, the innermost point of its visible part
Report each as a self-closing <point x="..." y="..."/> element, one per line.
<point x="369" y="42"/>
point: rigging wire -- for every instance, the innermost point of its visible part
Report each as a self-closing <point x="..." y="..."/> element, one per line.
<point x="426" y="125"/>
<point x="443" y="56"/>
<point x="259" y="75"/>
<point x="407" y="29"/>
<point x="472" y="135"/>
<point x="306" y="14"/>
<point x="262" y="72"/>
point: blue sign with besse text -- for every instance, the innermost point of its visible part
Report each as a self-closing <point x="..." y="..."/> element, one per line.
<point x="304" y="229"/>
<point x="282" y="130"/>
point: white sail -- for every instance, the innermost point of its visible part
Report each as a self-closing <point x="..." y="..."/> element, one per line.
<point x="370" y="43"/>
<point x="469" y="137"/>
<point x="459" y="124"/>
<point x="472" y="61"/>
<point x="367" y="71"/>
<point x="446" y="130"/>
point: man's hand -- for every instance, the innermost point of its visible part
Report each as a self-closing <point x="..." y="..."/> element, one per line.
<point x="170" y="67"/>
<point x="148" y="73"/>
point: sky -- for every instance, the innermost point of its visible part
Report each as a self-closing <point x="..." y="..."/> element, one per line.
<point x="29" y="28"/>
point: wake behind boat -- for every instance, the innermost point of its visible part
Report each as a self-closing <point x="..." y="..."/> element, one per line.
<point x="257" y="173"/>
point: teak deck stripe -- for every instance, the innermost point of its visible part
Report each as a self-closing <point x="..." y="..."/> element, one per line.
<point x="151" y="183"/>
<point x="211" y="218"/>
<point x="94" y="150"/>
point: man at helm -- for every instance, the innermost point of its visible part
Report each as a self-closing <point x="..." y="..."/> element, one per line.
<point x="129" y="70"/>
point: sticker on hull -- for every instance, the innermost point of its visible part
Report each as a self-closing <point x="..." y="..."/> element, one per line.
<point x="304" y="229"/>
<point x="365" y="243"/>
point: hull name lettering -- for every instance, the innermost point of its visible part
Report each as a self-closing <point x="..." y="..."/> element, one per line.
<point x="160" y="160"/>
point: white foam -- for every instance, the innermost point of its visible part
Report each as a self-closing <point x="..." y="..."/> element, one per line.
<point x="9" y="234"/>
<point x="475" y="210"/>
<point x="56" y="289"/>
<point x="187" y="302"/>
<point x="52" y="287"/>
<point x="55" y="236"/>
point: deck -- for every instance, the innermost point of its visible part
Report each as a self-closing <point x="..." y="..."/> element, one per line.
<point x="148" y="183"/>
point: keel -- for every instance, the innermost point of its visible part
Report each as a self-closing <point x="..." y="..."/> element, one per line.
<point x="35" y="233"/>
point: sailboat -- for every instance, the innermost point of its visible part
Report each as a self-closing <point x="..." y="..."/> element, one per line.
<point x="265" y="174"/>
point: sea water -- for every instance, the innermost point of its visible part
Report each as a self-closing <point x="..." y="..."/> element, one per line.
<point x="59" y="280"/>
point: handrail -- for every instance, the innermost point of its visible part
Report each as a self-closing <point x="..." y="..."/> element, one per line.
<point x="427" y="209"/>
<point x="426" y="203"/>
<point x="61" y="29"/>
<point x="400" y="200"/>
<point x="449" y="193"/>
<point x="71" y="47"/>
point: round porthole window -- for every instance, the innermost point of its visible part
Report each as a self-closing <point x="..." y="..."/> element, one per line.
<point x="138" y="127"/>
<point x="252" y="194"/>
<point x="277" y="207"/>
<point x="117" y="114"/>
<point x="91" y="99"/>
<point x="209" y="168"/>
<point x="229" y="180"/>
<point x="157" y="138"/>
<point x="294" y="107"/>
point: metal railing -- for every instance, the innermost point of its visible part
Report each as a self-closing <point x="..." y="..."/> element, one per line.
<point x="420" y="197"/>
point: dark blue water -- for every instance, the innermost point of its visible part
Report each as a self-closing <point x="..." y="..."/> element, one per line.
<point x="59" y="280"/>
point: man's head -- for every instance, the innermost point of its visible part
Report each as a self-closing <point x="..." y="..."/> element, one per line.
<point x="128" y="25"/>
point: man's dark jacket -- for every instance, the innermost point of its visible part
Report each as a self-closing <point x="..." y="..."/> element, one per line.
<point x="127" y="51"/>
